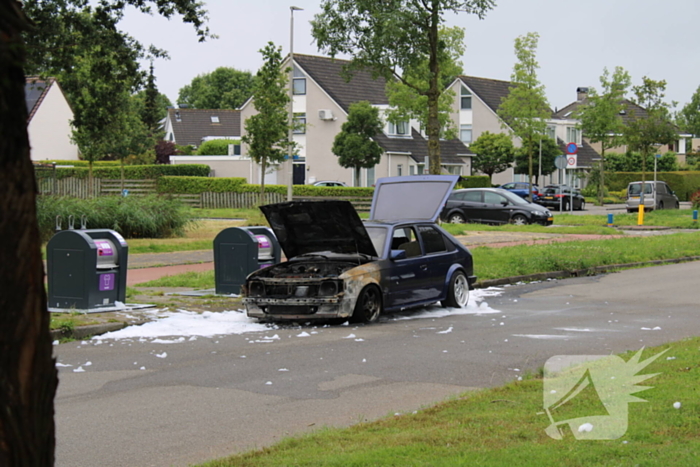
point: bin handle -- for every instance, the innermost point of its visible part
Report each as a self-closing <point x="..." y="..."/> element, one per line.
<point x="71" y="222"/>
<point x="58" y="222"/>
<point x="83" y="222"/>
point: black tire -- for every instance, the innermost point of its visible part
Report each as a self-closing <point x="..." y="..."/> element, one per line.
<point x="565" y="206"/>
<point x="661" y="204"/>
<point x="678" y="205"/>
<point x="519" y="219"/>
<point x="456" y="218"/>
<point x="457" y="292"/>
<point x="582" y="206"/>
<point x="368" y="306"/>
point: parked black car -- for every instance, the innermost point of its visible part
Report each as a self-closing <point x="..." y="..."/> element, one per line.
<point x="340" y="267"/>
<point x="492" y="206"/>
<point x="561" y="197"/>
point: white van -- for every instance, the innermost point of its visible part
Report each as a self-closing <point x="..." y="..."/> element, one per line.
<point x="657" y="195"/>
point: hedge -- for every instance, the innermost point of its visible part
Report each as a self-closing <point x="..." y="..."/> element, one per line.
<point x="131" y="172"/>
<point x="684" y="183"/>
<point x="474" y="181"/>
<point x="196" y="185"/>
<point x="76" y="163"/>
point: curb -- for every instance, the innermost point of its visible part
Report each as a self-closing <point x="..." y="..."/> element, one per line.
<point x="89" y="330"/>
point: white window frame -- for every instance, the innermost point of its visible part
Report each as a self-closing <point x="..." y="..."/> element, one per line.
<point x="463" y="130"/>
<point x="465" y="97"/>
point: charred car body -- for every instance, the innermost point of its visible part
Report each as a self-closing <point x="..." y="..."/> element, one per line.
<point x="340" y="267"/>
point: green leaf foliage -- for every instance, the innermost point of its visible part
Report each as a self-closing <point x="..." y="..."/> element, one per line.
<point x="550" y="150"/>
<point x="131" y="216"/>
<point x="216" y="147"/>
<point x="223" y="88"/>
<point x="474" y="181"/>
<point x="494" y="153"/>
<point x="131" y="172"/>
<point x="354" y="145"/>
<point x="689" y="117"/>
<point x="395" y="35"/>
<point x="267" y="132"/>
<point x="525" y="109"/>
<point x="683" y="183"/>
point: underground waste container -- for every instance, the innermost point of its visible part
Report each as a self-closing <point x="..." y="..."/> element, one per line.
<point x="86" y="269"/>
<point x="238" y="251"/>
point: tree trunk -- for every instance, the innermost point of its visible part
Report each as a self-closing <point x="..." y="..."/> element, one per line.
<point x="433" y="95"/>
<point x="263" y="169"/>
<point x="28" y="376"/>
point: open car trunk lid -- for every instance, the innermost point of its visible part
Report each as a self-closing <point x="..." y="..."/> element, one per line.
<point x="415" y="197"/>
<point x="318" y="226"/>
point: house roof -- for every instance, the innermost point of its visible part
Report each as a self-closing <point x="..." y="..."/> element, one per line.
<point x="451" y="151"/>
<point x="35" y="90"/>
<point x="191" y="126"/>
<point x="491" y="91"/>
<point x="632" y="109"/>
<point x="327" y="73"/>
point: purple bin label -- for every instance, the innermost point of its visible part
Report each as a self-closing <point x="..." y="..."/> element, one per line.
<point x="106" y="282"/>
<point x="263" y="241"/>
<point x="104" y="248"/>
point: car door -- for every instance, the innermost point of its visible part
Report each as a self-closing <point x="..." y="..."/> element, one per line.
<point x="495" y="208"/>
<point x="436" y="265"/>
<point x="407" y="275"/>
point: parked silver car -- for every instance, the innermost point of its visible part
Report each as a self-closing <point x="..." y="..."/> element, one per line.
<point x="657" y="195"/>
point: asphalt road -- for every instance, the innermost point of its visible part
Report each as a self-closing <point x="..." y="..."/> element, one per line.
<point x="211" y="397"/>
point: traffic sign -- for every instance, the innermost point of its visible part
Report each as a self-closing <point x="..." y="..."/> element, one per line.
<point x="560" y="162"/>
<point x="571" y="161"/>
<point x="571" y="148"/>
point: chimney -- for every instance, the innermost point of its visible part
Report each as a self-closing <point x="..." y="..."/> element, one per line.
<point x="581" y="94"/>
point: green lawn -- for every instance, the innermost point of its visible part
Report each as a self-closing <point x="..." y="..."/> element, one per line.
<point x="505" y="426"/>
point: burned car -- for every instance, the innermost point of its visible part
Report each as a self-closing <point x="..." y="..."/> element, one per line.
<point x="339" y="267"/>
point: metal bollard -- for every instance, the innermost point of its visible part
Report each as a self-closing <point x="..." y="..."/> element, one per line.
<point x="695" y="215"/>
<point x="610" y="220"/>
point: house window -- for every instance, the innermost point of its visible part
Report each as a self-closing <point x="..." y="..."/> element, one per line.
<point x="398" y="129"/>
<point x="299" y="82"/>
<point x="412" y="170"/>
<point x="370" y="177"/>
<point x="452" y="169"/>
<point x="466" y="99"/>
<point x="299" y="123"/>
<point x="551" y="132"/>
<point x="214" y="119"/>
<point x="465" y="134"/>
<point x="399" y="170"/>
<point x="573" y="135"/>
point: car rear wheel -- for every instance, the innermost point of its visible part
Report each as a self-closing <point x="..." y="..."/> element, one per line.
<point x="368" y="306"/>
<point x="661" y="204"/>
<point x="457" y="218"/>
<point x="565" y="206"/>
<point x="458" y="291"/>
<point x="582" y="206"/>
<point x="519" y="219"/>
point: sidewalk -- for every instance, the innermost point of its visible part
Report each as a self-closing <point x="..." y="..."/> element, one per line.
<point x="150" y="266"/>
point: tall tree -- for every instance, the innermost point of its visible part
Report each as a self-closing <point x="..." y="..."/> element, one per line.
<point x="689" y="117"/>
<point x="79" y="43"/>
<point x="550" y="150"/>
<point x="267" y="131"/>
<point x="354" y="145"/>
<point x="600" y="117"/>
<point x="653" y="127"/>
<point x="392" y="37"/>
<point x="408" y="104"/>
<point x="28" y="376"/>
<point x="223" y="88"/>
<point x="494" y="153"/>
<point x="150" y="113"/>
<point x="525" y="109"/>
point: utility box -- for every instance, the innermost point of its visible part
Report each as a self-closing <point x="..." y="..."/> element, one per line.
<point x="86" y="269"/>
<point x="238" y="251"/>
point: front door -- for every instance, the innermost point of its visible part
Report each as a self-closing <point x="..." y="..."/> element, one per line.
<point x="299" y="174"/>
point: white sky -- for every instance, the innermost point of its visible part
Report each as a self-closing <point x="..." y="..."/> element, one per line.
<point x="577" y="40"/>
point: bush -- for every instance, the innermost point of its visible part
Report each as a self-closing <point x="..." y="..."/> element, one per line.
<point x="474" y="181"/>
<point x="131" y="172"/>
<point x="133" y="216"/>
<point x="216" y="147"/>
<point x="695" y="199"/>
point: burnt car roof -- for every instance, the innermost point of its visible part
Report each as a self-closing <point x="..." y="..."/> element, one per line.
<point x="414" y="197"/>
<point x="318" y="226"/>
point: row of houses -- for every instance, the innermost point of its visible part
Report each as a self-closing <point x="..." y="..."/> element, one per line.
<point x="321" y="101"/>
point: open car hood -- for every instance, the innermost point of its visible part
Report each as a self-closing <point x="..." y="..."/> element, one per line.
<point x="415" y="197"/>
<point x="318" y="226"/>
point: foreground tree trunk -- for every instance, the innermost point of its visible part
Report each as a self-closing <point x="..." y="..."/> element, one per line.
<point x="28" y="377"/>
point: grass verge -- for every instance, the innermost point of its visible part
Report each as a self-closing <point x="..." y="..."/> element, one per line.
<point x="672" y="218"/>
<point x="497" y="263"/>
<point x="505" y="426"/>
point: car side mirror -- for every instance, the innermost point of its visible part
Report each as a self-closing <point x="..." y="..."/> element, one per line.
<point x="504" y="203"/>
<point x="397" y="254"/>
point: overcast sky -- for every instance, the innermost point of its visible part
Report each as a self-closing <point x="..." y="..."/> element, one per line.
<point x="578" y="38"/>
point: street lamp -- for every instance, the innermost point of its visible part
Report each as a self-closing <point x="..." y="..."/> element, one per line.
<point x="290" y="157"/>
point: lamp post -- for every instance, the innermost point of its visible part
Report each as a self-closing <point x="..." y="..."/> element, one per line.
<point x="290" y="156"/>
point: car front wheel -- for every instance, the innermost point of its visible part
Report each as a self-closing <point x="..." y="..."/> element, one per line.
<point x="457" y="218"/>
<point x="458" y="291"/>
<point x="368" y="306"/>
<point x="519" y="219"/>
